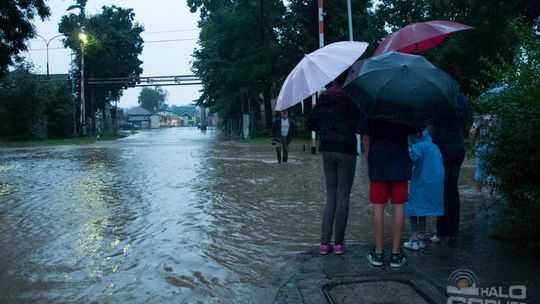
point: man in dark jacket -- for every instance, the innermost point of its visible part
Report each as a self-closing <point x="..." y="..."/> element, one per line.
<point x="448" y="136"/>
<point x="282" y="133"/>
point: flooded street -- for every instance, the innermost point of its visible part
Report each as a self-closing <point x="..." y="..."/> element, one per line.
<point x="164" y="216"/>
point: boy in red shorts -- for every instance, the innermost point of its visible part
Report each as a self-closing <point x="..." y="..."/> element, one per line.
<point x="389" y="169"/>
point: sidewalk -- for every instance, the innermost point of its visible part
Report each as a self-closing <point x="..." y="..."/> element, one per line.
<point x="501" y="271"/>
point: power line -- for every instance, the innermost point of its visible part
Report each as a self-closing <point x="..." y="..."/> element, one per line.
<point x="169" y="40"/>
<point x="168" y="31"/>
<point x="151" y="41"/>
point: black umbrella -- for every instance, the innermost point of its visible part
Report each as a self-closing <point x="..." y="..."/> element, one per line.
<point x="401" y="88"/>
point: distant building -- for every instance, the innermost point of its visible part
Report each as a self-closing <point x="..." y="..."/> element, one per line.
<point x="141" y="118"/>
<point x="168" y="119"/>
<point x="187" y="115"/>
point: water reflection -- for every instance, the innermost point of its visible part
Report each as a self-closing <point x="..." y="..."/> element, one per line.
<point x="163" y="216"/>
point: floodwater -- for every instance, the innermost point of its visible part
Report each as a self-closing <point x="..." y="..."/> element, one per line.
<point x="164" y="216"/>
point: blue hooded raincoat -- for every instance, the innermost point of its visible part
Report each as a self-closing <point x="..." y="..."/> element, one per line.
<point x="427" y="181"/>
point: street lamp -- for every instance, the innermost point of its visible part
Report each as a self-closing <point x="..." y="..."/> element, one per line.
<point x="47" y="47"/>
<point x="82" y="120"/>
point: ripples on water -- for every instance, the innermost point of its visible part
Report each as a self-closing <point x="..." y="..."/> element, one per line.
<point x="163" y="216"/>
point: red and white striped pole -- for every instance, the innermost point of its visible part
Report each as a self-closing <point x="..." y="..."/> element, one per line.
<point x="321" y="44"/>
<point x="321" y="23"/>
<point x="82" y="122"/>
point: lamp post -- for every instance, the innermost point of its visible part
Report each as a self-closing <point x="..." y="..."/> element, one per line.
<point x="82" y="120"/>
<point x="47" y="48"/>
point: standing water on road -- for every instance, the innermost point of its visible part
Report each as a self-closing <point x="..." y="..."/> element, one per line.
<point x="162" y="216"/>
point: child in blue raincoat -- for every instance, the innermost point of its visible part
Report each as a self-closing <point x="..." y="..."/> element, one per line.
<point x="426" y="189"/>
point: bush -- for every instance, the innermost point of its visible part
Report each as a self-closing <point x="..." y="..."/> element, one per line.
<point x="30" y="108"/>
<point x="22" y="104"/>
<point x="59" y="110"/>
<point x="515" y="154"/>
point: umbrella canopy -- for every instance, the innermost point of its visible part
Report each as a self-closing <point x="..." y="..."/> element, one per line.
<point x="417" y="37"/>
<point x="401" y="88"/>
<point x="316" y="70"/>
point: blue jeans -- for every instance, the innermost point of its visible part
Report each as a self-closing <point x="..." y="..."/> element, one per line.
<point x="339" y="171"/>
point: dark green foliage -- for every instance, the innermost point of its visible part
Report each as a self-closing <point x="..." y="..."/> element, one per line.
<point x="238" y="55"/>
<point x="22" y="104"/>
<point x="515" y="158"/>
<point x="492" y="36"/>
<point x="16" y="27"/>
<point x="114" y="44"/>
<point x="60" y="110"/>
<point x="153" y="99"/>
<point x="31" y="107"/>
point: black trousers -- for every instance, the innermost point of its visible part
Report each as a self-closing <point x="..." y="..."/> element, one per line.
<point x="448" y="224"/>
<point x="283" y="143"/>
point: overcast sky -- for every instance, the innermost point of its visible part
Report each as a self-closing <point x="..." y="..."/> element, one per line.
<point x="162" y="20"/>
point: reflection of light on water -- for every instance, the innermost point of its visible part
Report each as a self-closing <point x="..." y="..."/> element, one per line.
<point x="91" y="245"/>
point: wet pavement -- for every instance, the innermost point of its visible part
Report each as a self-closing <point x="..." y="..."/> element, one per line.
<point x="180" y="216"/>
<point x="501" y="272"/>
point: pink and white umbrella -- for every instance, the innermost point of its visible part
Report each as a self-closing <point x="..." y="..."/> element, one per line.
<point x="316" y="70"/>
<point x="420" y="36"/>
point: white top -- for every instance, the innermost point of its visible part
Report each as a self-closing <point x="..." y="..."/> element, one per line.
<point x="284" y="127"/>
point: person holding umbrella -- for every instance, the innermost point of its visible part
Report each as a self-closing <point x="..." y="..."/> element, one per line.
<point x="336" y="119"/>
<point x="448" y="136"/>
<point x="397" y="92"/>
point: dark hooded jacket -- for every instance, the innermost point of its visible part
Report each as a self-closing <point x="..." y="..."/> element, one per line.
<point x="336" y="119"/>
<point x="448" y="132"/>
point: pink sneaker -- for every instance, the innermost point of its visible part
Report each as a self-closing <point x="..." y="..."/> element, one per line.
<point x="325" y="249"/>
<point x="340" y="249"/>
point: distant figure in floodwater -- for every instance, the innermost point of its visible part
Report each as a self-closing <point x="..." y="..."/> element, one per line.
<point x="282" y="134"/>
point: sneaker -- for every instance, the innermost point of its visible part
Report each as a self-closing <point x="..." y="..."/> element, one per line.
<point x="421" y="242"/>
<point x="340" y="248"/>
<point x="435" y="239"/>
<point x="376" y="259"/>
<point x="397" y="260"/>
<point x="412" y="244"/>
<point x="325" y="249"/>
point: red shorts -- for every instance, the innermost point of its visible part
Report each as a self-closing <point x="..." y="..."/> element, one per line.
<point x="381" y="190"/>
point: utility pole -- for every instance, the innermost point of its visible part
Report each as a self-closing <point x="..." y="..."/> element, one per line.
<point x="82" y="118"/>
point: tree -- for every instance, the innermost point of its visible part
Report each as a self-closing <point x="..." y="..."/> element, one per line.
<point x="153" y="99"/>
<point x="22" y="105"/>
<point x="16" y="27"/>
<point x="268" y="41"/>
<point x="491" y="37"/>
<point x="206" y="7"/>
<point x="112" y="50"/>
<point x="237" y="59"/>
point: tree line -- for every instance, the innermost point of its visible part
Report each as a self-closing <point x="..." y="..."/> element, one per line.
<point x="247" y="47"/>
